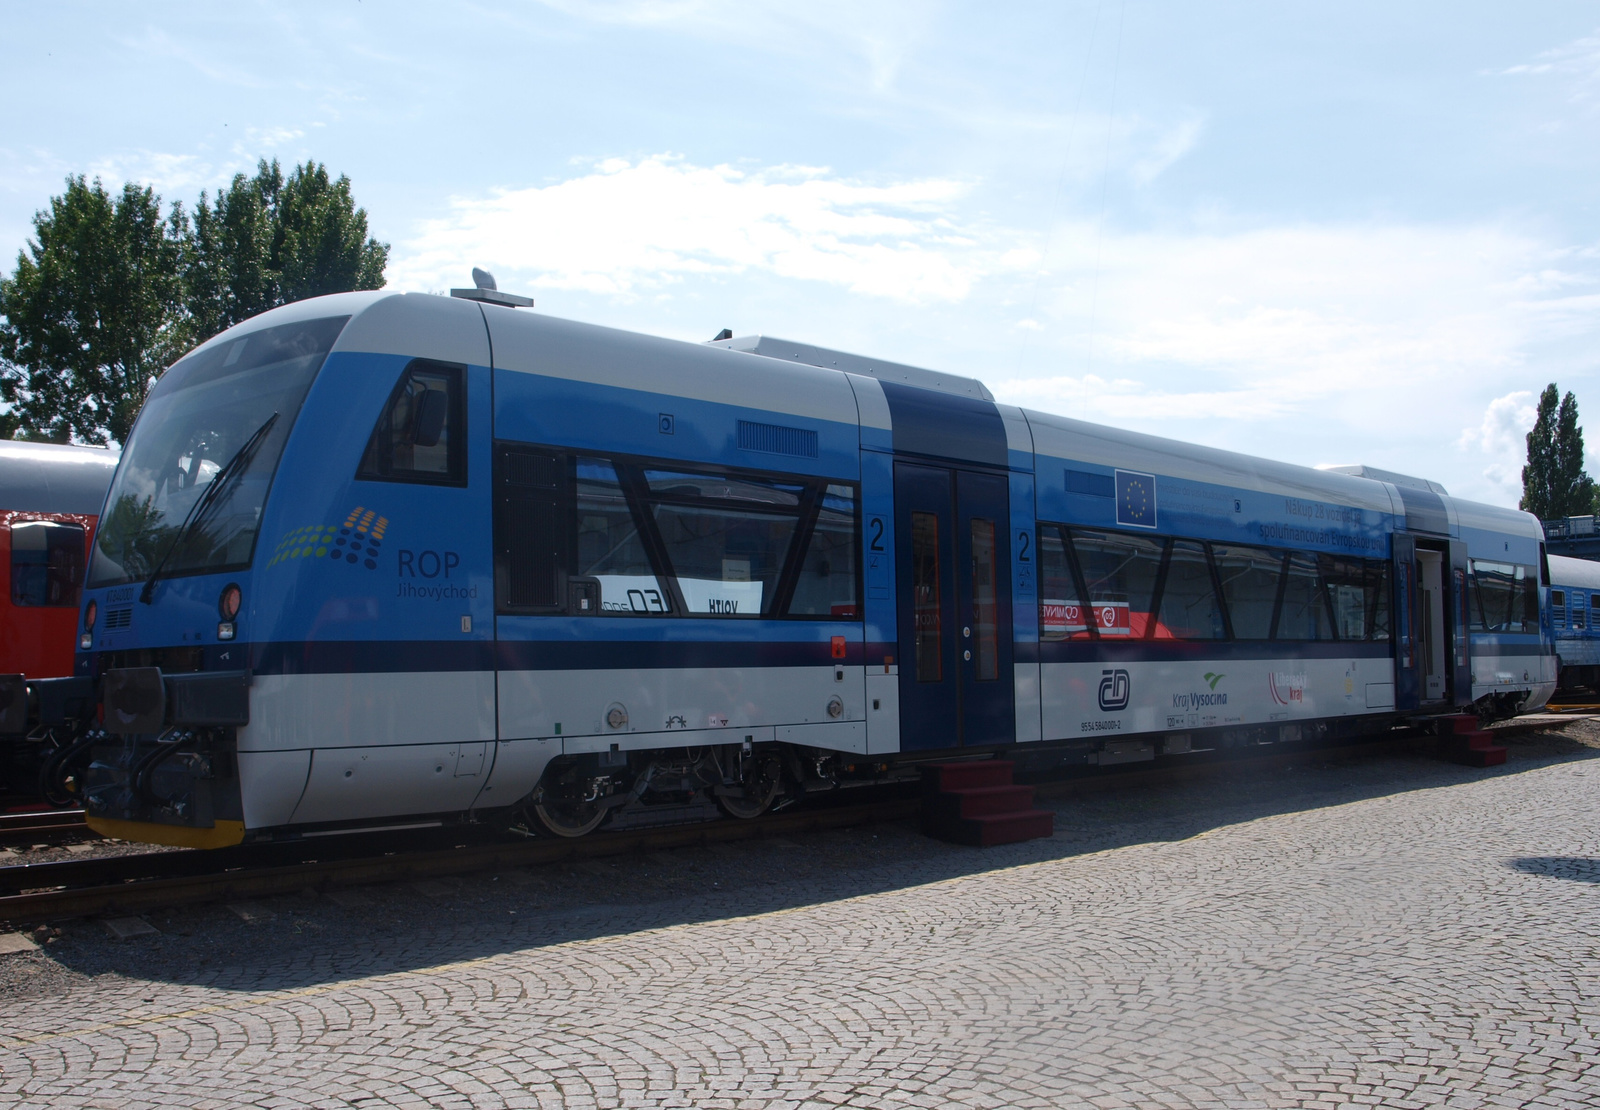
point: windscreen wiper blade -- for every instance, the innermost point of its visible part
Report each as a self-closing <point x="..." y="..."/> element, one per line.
<point x="211" y="495"/>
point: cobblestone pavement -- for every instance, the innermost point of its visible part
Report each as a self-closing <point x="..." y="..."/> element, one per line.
<point x="1394" y="933"/>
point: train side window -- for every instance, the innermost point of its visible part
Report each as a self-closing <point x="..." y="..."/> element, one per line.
<point x="1527" y="590"/>
<point x="726" y="537"/>
<point x="1305" y="614"/>
<point x="1594" y="610"/>
<point x="1249" y="587"/>
<point x="1578" y="613"/>
<point x="1189" y="609"/>
<point x="1358" y="590"/>
<point x="421" y="435"/>
<point x="1062" y="615"/>
<point x="47" y="563"/>
<point x="1558" y="605"/>
<point x="1509" y="595"/>
<point x="827" y="583"/>
<point x="611" y="551"/>
<point x="1120" y="573"/>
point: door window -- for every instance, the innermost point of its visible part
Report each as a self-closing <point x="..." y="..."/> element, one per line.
<point x="925" y="598"/>
<point x="985" y="631"/>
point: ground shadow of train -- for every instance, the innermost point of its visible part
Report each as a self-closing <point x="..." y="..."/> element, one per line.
<point x="309" y="941"/>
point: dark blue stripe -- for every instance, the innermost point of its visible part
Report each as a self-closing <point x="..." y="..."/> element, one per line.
<point x="1140" y="651"/>
<point x="381" y="656"/>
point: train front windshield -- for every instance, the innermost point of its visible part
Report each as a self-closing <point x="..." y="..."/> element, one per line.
<point x="209" y="410"/>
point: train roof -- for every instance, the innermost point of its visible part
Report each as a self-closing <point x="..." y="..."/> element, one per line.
<point x="53" y="478"/>
<point x="804" y="380"/>
<point x="1582" y="573"/>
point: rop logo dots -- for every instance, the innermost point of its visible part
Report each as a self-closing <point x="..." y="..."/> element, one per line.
<point x="358" y="540"/>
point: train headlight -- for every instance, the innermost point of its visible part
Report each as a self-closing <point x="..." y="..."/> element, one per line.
<point x="90" y="612"/>
<point x="228" y="604"/>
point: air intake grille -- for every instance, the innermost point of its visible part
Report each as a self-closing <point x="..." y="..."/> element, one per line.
<point x="118" y="619"/>
<point x="777" y="439"/>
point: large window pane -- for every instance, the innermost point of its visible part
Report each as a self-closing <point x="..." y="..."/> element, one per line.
<point x="1120" y="574"/>
<point x="1359" y="592"/>
<point x="725" y="537"/>
<point x="1305" y="608"/>
<point x="609" y="548"/>
<point x="1189" y="609"/>
<point x="46" y="563"/>
<point x="1508" y="596"/>
<point x="1061" y="611"/>
<point x="1249" y="587"/>
<point x="200" y="416"/>
<point x="827" y="583"/>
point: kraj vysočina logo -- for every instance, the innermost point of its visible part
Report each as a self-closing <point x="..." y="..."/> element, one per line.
<point x="1201" y="699"/>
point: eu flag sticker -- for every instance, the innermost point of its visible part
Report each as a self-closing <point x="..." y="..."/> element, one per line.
<point x="1136" y="499"/>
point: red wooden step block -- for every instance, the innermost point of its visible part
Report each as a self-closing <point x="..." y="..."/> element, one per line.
<point x="980" y="801"/>
<point x="939" y="777"/>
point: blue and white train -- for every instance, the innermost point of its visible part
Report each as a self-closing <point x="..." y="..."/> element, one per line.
<point x="377" y="558"/>
<point x="1575" y="621"/>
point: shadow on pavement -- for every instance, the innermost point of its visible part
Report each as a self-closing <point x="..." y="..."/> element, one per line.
<point x="1576" y="868"/>
<point x="300" y="941"/>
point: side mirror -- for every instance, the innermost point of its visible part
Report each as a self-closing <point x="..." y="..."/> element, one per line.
<point x="427" y="424"/>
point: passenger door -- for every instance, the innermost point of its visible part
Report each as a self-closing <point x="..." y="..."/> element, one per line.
<point x="955" y="639"/>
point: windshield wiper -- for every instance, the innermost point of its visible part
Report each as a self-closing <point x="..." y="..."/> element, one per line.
<point x="211" y="495"/>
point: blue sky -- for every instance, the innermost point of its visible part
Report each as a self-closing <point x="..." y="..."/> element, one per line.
<point x="1349" y="232"/>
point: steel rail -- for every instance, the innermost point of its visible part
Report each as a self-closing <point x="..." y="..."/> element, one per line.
<point x="132" y="884"/>
<point x="32" y="826"/>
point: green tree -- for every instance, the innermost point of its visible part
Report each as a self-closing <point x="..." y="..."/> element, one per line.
<point x="1554" y="484"/>
<point x="267" y="240"/>
<point x="109" y="292"/>
<point x="92" y="313"/>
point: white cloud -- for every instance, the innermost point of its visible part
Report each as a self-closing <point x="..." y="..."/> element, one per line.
<point x="625" y="227"/>
<point x="1500" y="439"/>
<point x="1577" y="61"/>
<point x="1371" y="342"/>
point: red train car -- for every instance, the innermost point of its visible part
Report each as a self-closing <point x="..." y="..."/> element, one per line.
<point x="50" y="500"/>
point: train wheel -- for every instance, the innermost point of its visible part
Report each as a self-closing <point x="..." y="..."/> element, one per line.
<point x="566" y="818"/>
<point x="761" y="788"/>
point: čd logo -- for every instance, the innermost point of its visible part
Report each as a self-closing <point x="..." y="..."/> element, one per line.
<point x="1115" y="686"/>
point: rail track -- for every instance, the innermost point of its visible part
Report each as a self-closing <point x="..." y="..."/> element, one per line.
<point x="131" y="884"/>
<point x="42" y="826"/>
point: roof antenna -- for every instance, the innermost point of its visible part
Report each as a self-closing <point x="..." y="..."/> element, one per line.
<point x="725" y="333"/>
<point x="484" y="290"/>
